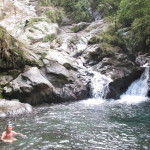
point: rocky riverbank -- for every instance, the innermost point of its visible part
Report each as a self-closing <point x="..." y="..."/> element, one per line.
<point x="53" y="64"/>
<point x="13" y="108"/>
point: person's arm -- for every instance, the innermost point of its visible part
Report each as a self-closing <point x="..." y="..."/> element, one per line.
<point x="15" y="133"/>
<point x="3" y="136"/>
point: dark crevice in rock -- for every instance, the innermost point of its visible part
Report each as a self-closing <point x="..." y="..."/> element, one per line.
<point x="120" y="85"/>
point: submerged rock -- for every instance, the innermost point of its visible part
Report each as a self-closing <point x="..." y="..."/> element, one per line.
<point x="13" y="108"/>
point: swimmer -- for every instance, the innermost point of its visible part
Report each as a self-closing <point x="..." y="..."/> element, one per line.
<point x="8" y="135"/>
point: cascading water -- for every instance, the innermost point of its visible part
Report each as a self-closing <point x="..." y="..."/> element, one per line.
<point x="140" y="86"/>
<point x="99" y="85"/>
<point x="99" y="88"/>
<point x="102" y="125"/>
<point x="138" y="90"/>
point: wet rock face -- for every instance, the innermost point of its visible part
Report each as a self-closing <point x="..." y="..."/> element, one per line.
<point x="64" y="56"/>
<point x="26" y="85"/>
<point x="118" y="66"/>
<point x="149" y="85"/>
<point x="13" y="108"/>
<point x="80" y="26"/>
<point x="143" y="60"/>
<point x="119" y="85"/>
<point x="35" y="88"/>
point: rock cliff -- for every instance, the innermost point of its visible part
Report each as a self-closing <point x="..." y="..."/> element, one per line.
<point x="53" y="63"/>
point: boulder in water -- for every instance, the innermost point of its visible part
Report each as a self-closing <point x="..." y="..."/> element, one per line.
<point x="52" y="87"/>
<point x="13" y="108"/>
<point x="30" y="87"/>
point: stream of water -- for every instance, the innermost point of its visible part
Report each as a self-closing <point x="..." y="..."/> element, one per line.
<point x="93" y="124"/>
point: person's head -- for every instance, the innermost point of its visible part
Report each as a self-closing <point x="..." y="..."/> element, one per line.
<point x="9" y="127"/>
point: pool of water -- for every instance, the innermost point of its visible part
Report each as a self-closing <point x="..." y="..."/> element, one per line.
<point x="86" y="125"/>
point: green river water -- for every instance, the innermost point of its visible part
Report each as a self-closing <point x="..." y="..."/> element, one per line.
<point x="92" y="124"/>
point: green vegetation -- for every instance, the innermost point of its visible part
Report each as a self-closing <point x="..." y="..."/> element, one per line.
<point x="78" y="27"/>
<point x="31" y="38"/>
<point x="136" y="14"/>
<point x="49" y="37"/>
<point x="12" y="52"/>
<point x="108" y="7"/>
<point x="77" y="10"/>
<point x="110" y="36"/>
<point x="131" y="23"/>
<point x="54" y="14"/>
<point x="104" y="50"/>
<point x="32" y="21"/>
<point x="37" y="28"/>
<point x="1" y="96"/>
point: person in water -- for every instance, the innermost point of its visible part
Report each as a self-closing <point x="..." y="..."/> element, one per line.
<point x="8" y="135"/>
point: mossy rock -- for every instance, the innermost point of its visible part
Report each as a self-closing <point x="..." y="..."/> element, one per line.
<point x="95" y="40"/>
<point x="59" y="80"/>
<point x="13" y="53"/>
<point x="110" y="36"/>
<point x="49" y="37"/>
<point x="79" y="27"/>
<point x="32" y="21"/>
<point x="104" y="50"/>
<point x="69" y="67"/>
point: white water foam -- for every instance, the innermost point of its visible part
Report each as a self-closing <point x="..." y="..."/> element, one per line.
<point x="131" y="99"/>
<point x="99" y="85"/>
<point x="140" y="86"/>
<point x="137" y="92"/>
<point x="99" y="89"/>
<point x="93" y="101"/>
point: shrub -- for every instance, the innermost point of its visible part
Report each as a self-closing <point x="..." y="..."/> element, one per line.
<point x="108" y="7"/>
<point x="49" y="37"/>
<point x="54" y="14"/>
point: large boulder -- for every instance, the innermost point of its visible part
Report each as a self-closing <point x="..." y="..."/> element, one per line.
<point x="13" y="108"/>
<point x="30" y="87"/>
<point x="123" y="72"/>
<point x="65" y="79"/>
<point x="122" y="82"/>
<point x="35" y="87"/>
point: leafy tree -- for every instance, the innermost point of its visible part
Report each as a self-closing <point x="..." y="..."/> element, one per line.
<point x="108" y="7"/>
<point x="78" y="10"/>
<point x="136" y="14"/>
<point x="132" y="9"/>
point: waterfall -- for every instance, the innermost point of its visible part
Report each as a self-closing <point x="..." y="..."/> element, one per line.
<point x="99" y="85"/>
<point x="138" y="90"/>
<point x="140" y="86"/>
